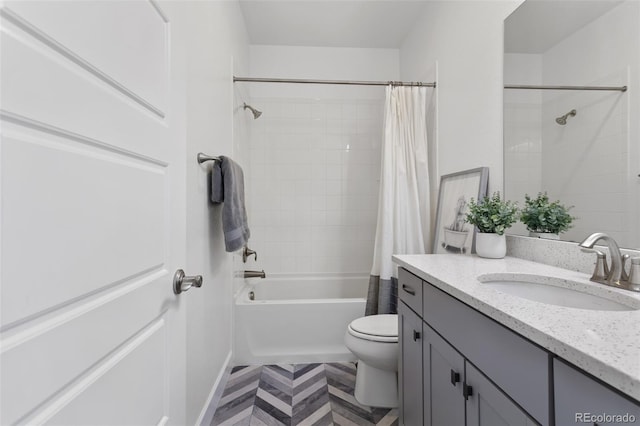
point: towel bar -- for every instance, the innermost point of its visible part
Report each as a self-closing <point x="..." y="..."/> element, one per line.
<point x="204" y="157"/>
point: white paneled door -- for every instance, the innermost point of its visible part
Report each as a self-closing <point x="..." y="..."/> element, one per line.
<point x="92" y="217"/>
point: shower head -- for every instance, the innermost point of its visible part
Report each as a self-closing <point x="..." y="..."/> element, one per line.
<point x="255" y="112"/>
<point x="563" y="120"/>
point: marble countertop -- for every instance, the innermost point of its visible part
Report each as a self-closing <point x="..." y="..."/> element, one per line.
<point x="605" y="344"/>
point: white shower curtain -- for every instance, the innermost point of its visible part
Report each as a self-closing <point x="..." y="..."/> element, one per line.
<point x="403" y="206"/>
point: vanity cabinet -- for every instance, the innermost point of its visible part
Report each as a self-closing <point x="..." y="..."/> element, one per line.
<point x="473" y="370"/>
<point x="579" y="399"/>
<point x="487" y="405"/>
<point x="410" y="364"/>
<point x="514" y="364"/>
<point x="443" y="380"/>
<point x="453" y="387"/>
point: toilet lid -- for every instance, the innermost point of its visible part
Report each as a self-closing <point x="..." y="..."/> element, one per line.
<point x="382" y="328"/>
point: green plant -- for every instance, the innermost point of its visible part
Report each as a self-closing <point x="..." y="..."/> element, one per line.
<point x="540" y="215"/>
<point x="492" y="214"/>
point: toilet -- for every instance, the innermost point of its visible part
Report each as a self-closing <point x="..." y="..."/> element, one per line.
<point x="374" y="341"/>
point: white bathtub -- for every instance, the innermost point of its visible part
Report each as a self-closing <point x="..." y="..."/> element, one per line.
<point x="296" y="319"/>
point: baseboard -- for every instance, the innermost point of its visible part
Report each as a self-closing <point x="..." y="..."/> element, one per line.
<point x="209" y="409"/>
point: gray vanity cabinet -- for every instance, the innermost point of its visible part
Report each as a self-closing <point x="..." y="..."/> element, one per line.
<point x="469" y="370"/>
<point x="488" y="406"/>
<point x="455" y="339"/>
<point x="410" y="366"/>
<point x="443" y="378"/>
<point x="579" y="399"/>
<point x="515" y="365"/>
<point x="453" y="387"/>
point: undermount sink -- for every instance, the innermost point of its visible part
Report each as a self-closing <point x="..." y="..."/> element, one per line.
<point x="556" y="291"/>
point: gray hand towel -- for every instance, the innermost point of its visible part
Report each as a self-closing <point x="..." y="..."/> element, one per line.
<point x="227" y="186"/>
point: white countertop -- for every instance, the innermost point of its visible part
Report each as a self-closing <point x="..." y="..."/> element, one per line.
<point x="605" y="344"/>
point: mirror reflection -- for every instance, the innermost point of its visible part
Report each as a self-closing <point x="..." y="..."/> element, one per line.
<point x="580" y="146"/>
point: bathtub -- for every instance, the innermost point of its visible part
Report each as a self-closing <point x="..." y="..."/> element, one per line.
<point x="296" y="319"/>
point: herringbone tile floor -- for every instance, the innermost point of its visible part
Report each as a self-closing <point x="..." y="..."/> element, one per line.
<point x="296" y="395"/>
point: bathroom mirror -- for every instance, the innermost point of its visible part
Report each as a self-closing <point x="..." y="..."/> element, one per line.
<point x="579" y="145"/>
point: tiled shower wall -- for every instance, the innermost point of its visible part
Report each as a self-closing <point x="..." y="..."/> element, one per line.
<point x="586" y="164"/>
<point x="313" y="186"/>
<point x="592" y="162"/>
<point x="522" y="131"/>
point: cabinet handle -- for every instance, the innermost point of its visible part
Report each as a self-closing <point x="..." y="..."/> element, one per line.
<point x="408" y="289"/>
<point x="416" y="335"/>
<point x="455" y="377"/>
<point x="467" y="391"/>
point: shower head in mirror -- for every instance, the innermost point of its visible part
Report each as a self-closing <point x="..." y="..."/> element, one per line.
<point x="255" y="112"/>
<point x="563" y="120"/>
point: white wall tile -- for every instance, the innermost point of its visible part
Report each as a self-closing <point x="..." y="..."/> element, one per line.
<point x="315" y="192"/>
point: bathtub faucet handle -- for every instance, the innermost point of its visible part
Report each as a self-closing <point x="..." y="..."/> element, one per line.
<point x="246" y="252"/>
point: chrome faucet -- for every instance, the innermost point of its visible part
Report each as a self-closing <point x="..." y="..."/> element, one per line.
<point x="246" y="252"/>
<point x="616" y="276"/>
<point x="601" y="271"/>
<point x="254" y="274"/>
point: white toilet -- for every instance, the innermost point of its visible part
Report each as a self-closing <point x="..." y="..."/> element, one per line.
<point x="374" y="341"/>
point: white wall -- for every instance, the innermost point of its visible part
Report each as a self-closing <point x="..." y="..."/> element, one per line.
<point x="315" y="158"/>
<point x="463" y="40"/>
<point x="322" y="63"/>
<point x="218" y="44"/>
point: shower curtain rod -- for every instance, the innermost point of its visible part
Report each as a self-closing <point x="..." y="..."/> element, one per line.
<point x="347" y="82"/>
<point x="614" y="88"/>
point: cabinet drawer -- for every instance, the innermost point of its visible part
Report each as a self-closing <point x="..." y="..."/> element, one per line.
<point x="517" y="366"/>
<point x="410" y="290"/>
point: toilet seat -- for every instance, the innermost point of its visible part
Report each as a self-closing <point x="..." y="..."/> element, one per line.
<point x="377" y="328"/>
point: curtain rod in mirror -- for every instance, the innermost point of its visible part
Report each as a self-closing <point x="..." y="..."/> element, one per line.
<point x="612" y="88"/>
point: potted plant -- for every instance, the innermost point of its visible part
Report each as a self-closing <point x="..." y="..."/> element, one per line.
<point x="492" y="216"/>
<point x="545" y="219"/>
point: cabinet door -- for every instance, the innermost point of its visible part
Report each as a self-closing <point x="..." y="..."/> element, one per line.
<point x="579" y="399"/>
<point x="443" y="378"/>
<point x="515" y="365"/>
<point x="488" y="406"/>
<point x="410" y="368"/>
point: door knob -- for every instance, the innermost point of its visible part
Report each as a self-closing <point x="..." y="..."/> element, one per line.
<point x="182" y="282"/>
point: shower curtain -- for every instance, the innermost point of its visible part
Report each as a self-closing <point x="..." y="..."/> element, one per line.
<point x="403" y="206"/>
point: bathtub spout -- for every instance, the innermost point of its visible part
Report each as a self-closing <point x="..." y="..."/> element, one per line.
<point x="254" y="274"/>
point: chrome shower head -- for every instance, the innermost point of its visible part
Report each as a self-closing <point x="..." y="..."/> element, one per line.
<point x="563" y="120"/>
<point x="254" y="111"/>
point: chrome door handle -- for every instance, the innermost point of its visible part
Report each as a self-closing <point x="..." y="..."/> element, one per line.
<point x="181" y="282"/>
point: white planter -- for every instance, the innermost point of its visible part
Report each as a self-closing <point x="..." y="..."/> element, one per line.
<point x="545" y="235"/>
<point x="491" y="246"/>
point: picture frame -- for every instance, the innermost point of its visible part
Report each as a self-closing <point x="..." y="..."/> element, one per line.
<point x="452" y="234"/>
